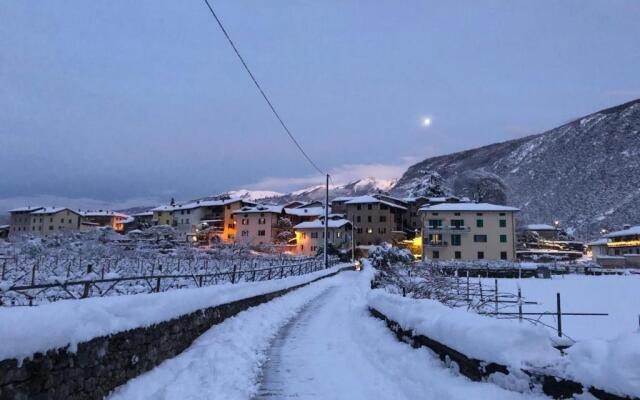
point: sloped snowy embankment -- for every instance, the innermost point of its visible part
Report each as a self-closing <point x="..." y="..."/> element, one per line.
<point x="612" y="365"/>
<point x="27" y="330"/>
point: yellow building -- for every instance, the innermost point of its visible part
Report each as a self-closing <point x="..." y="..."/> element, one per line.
<point x="468" y="231"/>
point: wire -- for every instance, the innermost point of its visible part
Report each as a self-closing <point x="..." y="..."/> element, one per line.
<point x="264" y="95"/>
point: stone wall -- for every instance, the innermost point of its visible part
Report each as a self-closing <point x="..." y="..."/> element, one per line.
<point x="104" y="363"/>
<point x="477" y="370"/>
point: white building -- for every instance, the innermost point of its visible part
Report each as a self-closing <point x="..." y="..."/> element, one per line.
<point x="310" y="235"/>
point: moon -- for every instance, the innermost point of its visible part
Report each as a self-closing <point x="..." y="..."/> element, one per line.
<point x="426" y="122"/>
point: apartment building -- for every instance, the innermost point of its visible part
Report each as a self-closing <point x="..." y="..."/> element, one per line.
<point x="468" y="231"/>
<point x="375" y="220"/>
<point x="310" y="235"/>
<point x="44" y="220"/>
<point x="618" y="249"/>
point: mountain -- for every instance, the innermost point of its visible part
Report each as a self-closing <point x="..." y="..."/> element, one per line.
<point x="356" y="188"/>
<point x="585" y="174"/>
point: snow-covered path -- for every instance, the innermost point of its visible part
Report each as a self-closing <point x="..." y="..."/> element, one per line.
<point x="334" y="350"/>
<point x="318" y="342"/>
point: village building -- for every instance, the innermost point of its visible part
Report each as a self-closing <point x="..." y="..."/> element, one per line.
<point x="310" y="235"/>
<point x="162" y="215"/>
<point x="468" y="231"/>
<point x="543" y="231"/>
<point x="4" y="231"/>
<point x="100" y="218"/>
<point x="375" y="220"/>
<point x="44" y="220"/>
<point x="212" y="217"/>
<point x="618" y="249"/>
<point x="272" y="224"/>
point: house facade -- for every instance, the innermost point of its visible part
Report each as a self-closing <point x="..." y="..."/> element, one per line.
<point x="162" y="215"/>
<point x="310" y="235"/>
<point x="375" y="220"/>
<point x="44" y="220"/>
<point x="618" y="249"/>
<point x="257" y="225"/>
<point x="468" y="231"/>
<point x="213" y="216"/>
<point x="100" y="218"/>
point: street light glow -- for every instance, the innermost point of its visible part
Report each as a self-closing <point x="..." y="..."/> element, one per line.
<point x="426" y="122"/>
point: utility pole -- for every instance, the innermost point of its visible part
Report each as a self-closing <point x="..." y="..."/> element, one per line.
<point x="326" y="224"/>
<point x="353" y="243"/>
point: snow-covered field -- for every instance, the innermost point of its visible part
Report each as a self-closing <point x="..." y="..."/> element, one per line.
<point x="617" y="295"/>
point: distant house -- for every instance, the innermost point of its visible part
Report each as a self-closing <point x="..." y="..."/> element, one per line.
<point x="162" y="215"/>
<point x="271" y="224"/>
<point x="214" y="216"/>
<point x="100" y="218"/>
<point x="44" y="220"/>
<point x="375" y="220"/>
<point x="544" y="231"/>
<point x="310" y="235"/>
<point x="619" y="248"/>
<point x="468" y="231"/>
<point x="4" y="231"/>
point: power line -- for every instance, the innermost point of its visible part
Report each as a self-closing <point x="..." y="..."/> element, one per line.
<point x="255" y="81"/>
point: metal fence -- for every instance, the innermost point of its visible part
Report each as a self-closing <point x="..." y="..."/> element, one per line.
<point x="153" y="278"/>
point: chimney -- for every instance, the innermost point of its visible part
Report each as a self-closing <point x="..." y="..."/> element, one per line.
<point x="626" y="226"/>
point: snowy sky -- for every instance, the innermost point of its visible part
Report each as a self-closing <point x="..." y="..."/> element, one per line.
<point x="119" y="100"/>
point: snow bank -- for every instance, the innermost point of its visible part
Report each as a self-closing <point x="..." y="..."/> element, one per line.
<point x="612" y="365"/>
<point x="505" y="342"/>
<point x="27" y="330"/>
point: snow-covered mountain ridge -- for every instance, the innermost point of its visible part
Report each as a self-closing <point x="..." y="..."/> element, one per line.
<point x="586" y="173"/>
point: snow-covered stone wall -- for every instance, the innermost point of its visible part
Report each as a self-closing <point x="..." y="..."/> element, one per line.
<point x="91" y="369"/>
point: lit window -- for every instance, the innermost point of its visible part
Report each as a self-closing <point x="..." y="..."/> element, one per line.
<point x="369" y="230"/>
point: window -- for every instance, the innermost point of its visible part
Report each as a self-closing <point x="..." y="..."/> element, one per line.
<point x="50" y="220"/>
<point x="369" y="230"/>
<point x="358" y="218"/>
<point x="457" y="223"/>
<point x="480" y="238"/>
<point x="480" y="255"/>
<point x="382" y="230"/>
<point x="314" y="235"/>
<point x="230" y="226"/>
<point x="245" y="221"/>
<point x="359" y="230"/>
<point x="187" y="221"/>
<point x="369" y="218"/>
<point x="479" y="223"/>
<point x="188" y="211"/>
<point x="455" y="240"/>
<point x="359" y="207"/>
<point x="436" y="254"/>
<point x="262" y="233"/>
<point x="262" y="221"/>
<point x="479" y="214"/>
<point x="383" y="207"/>
<point x="435" y="238"/>
<point x="303" y="235"/>
<point x="503" y="238"/>
<point x="434" y="214"/>
<point x="457" y="255"/>
<point x="50" y="227"/>
<point x="503" y="223"/>
<point x="383" y="218"/>
<point x="503" y="255"/>
<point x="456" y="214"/>
<point x="314" y="248"/>
<point x="338" y="234"/>
<point x="435" y="223"/>
<point x="369" y="206"/>
<point x="503" y="214"/>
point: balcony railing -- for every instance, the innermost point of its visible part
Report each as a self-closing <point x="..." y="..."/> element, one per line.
<point x="439" y="243"/>
<point x="456" y="229"/>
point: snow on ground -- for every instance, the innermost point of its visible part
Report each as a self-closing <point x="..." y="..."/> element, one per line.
<point x="330" y="348"/>
<point x="612" y="364"/>
<point x="26" y="330"/>
<point x="617" y="295"/>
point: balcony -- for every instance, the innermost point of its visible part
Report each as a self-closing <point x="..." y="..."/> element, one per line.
<point x="439" y="243"/>
<point x="459" y="228"/>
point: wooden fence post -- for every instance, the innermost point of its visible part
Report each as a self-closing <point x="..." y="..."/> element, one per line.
<point x="233" y="275"/>
<point x="559" y="314"/>
<point x="158" y="285"/>
<point x="87" y="286"/>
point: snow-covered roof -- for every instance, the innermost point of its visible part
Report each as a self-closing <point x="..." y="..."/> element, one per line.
<point x="262" y="208"/>
<point x="301" y="212"/>
<point x="315" y="224"/>
<point x="24" y="209"/>
<point x="53" y="210"/>
<point x="540" y="227"/>
<point x="163" y="208"/>
<point x="102" y="213"/>
<point x="205" y="203"/>
<point x="143" y="214"/>
<point x="468" y="207"/>
<point x="5" y="226"/>
<point x="342" y="198"/>
<point x="634" y="230"/>
<point x="366" y="199"/>
<point x="599" y="242"/>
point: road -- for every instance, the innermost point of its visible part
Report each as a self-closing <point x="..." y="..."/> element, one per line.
<point x="318" y="342"/>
